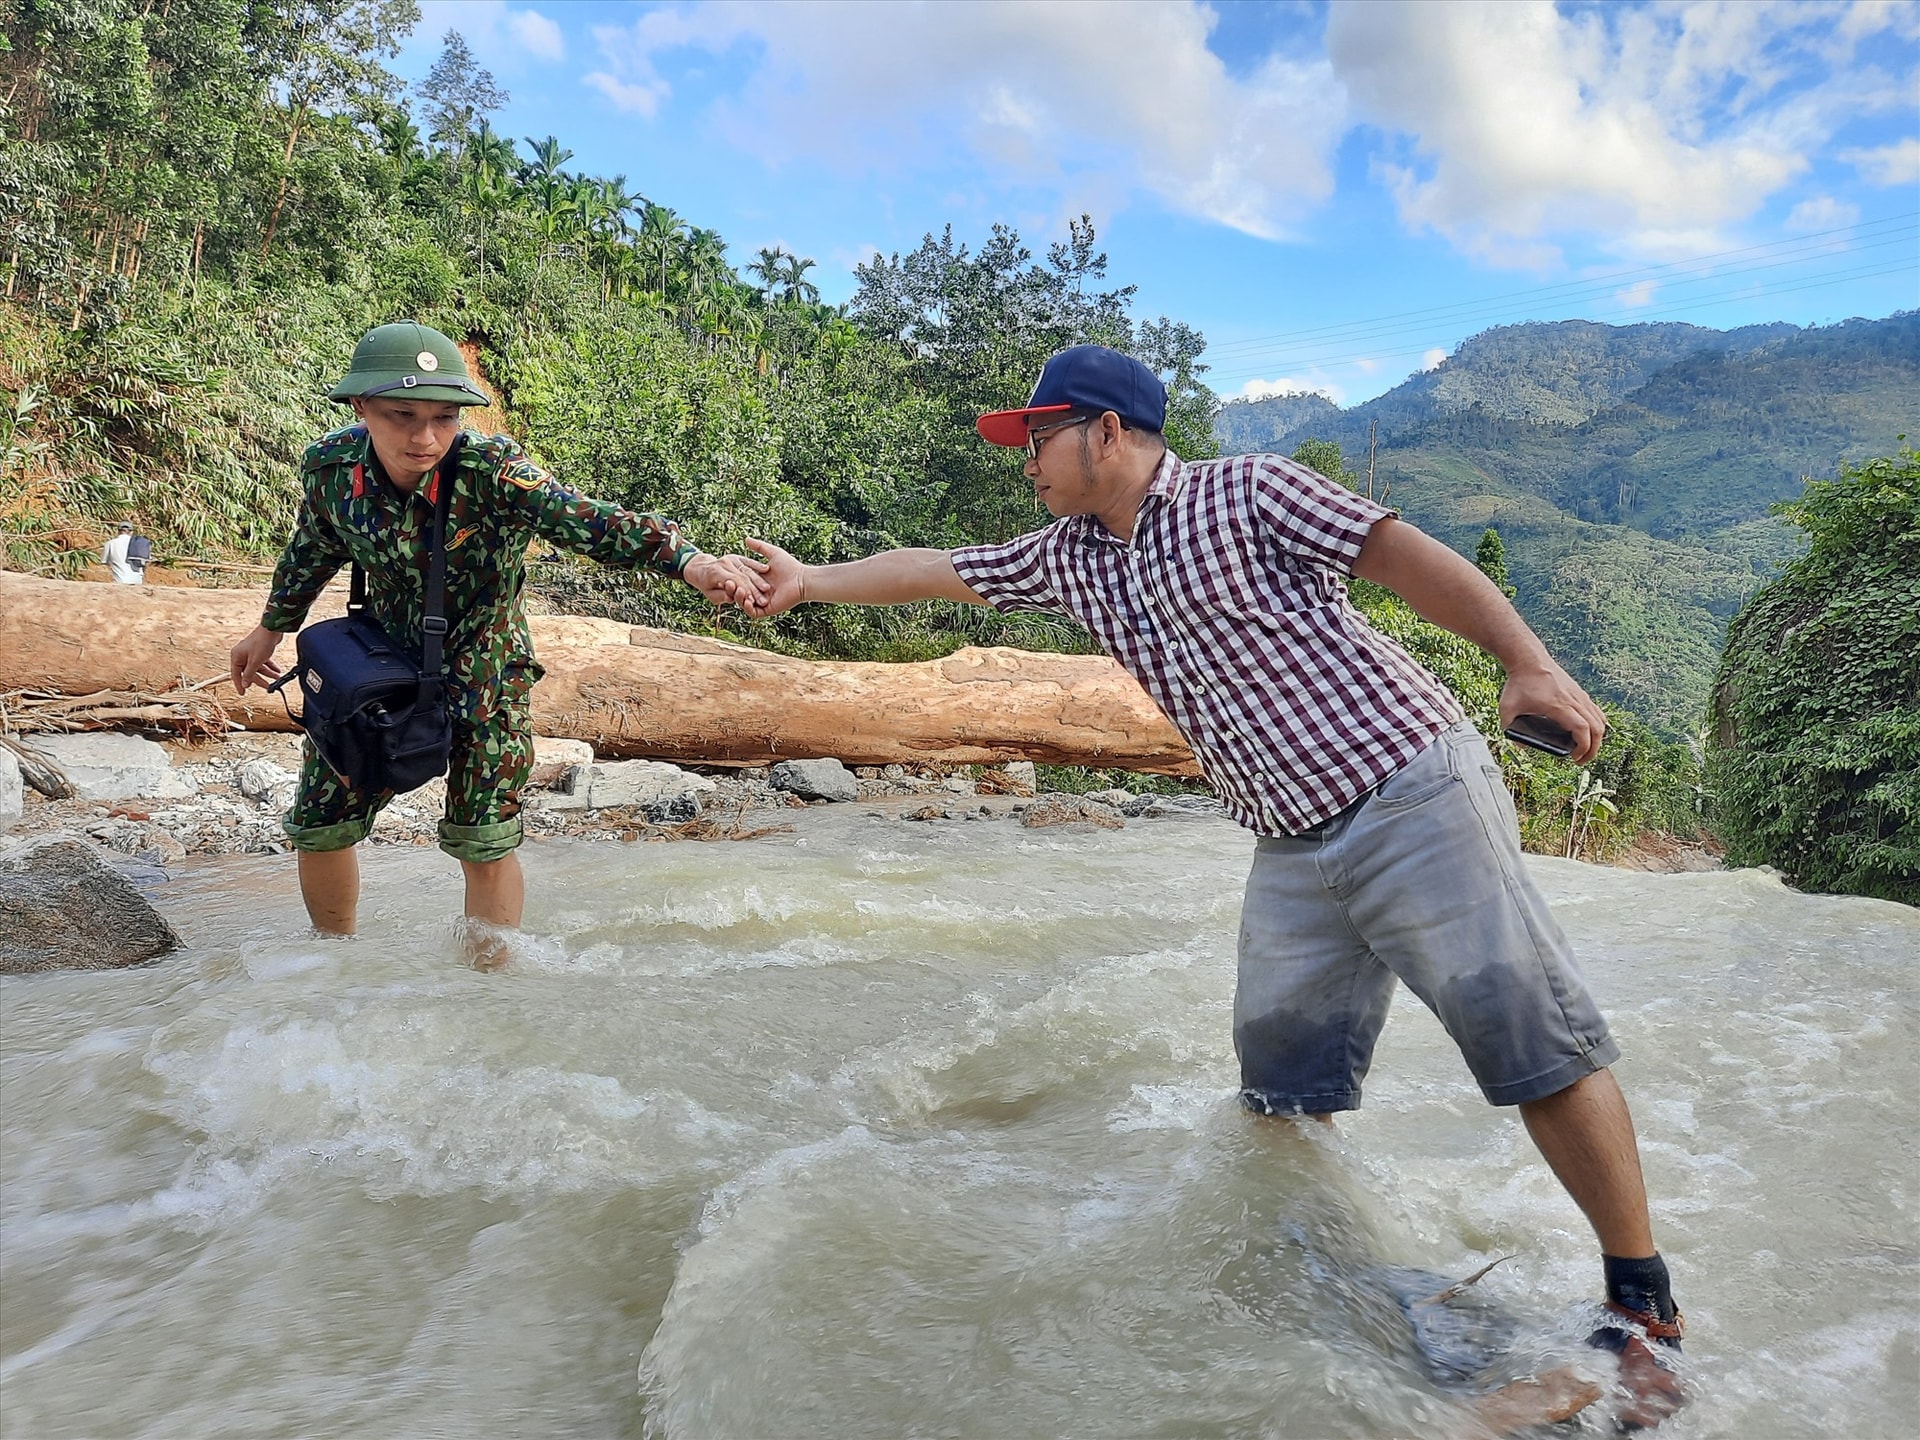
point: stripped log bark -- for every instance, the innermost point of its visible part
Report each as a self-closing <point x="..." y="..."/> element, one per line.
<point x="631" y="691"/>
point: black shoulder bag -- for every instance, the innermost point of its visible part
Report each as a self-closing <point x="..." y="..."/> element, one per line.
<point x="378" y="722"/>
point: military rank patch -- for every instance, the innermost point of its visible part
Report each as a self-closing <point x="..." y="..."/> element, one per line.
<point x="523" y="474"/>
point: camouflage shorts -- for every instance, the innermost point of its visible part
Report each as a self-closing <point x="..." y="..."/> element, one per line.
<point x="492" y="758"/>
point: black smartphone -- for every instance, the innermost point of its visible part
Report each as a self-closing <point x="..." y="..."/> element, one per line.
<point x="1540" y="733"/>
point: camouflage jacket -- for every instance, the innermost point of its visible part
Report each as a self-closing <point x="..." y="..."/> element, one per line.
<point x="350" y="512"/>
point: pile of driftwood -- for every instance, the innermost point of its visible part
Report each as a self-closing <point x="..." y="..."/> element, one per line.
<point x="186" y="712"/>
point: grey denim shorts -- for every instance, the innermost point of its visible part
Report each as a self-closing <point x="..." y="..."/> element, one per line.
<point x="1421" y="882"/>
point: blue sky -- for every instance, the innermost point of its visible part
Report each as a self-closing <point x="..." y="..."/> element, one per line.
<point x="1335" y="195"/>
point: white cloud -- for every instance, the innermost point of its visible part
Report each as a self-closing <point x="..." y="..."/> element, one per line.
<point x="642" y="99"/>
<point x="1821" y="213"/>
<point x="1095" y="99"/>
<point x="1288" y="385"/>
<point x="1889" y="165"/>
<point x="1514" y="122"/>
<point x="1506" y="126"/>
<point x="500" y="35"/>
<point x="536" y="34"/>
<point x="1433" y="359"/>
<point x="1636" y="296"/>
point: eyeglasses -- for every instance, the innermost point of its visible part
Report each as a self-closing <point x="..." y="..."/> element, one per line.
<point x="1035" y="437"/>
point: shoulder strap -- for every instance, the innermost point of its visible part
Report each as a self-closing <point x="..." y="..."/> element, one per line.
<point x="434" y="625"/>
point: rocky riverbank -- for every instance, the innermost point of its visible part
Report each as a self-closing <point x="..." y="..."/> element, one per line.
<point x="163" y="801"/>
<point x="160" y="802"/>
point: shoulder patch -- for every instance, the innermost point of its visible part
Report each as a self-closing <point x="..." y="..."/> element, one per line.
<point x="523" y="473"/>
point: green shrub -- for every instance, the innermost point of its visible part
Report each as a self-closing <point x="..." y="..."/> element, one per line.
<point x="1814" y="732"/>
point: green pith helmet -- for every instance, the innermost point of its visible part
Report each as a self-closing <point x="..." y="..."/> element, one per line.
<point x="408" y="362"/>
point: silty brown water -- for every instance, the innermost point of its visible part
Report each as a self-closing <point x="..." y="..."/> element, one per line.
<point x="884" y="1129"/>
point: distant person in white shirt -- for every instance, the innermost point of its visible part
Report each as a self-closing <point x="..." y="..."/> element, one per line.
<point x="128" y="568"/>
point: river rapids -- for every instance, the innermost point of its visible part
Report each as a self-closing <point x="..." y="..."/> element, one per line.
<point x="883" y="1129"/>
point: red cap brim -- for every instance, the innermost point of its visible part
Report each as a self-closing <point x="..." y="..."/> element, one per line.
<point x="1009" y="427"/>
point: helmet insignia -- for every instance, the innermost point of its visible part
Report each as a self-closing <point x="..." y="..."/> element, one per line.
<point x="427" y="360"/>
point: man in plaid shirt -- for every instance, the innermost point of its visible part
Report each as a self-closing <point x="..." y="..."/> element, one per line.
<point x="1387" y="843"/>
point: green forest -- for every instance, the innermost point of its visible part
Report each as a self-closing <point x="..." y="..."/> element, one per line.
<point x="203" y="206"/>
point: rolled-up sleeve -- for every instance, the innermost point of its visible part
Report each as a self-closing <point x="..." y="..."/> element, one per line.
<point x="1312" y="516"/>
<point x="1013" y="574"/>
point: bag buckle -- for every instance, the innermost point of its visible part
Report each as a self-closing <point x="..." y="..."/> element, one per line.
<point x="434" y="624"/>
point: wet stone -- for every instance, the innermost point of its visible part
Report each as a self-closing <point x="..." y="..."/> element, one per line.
<point x="62" y="907"/>
<point x="816" y="780"/>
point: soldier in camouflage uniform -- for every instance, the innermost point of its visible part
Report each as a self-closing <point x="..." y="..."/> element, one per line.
<point x="367" y="497"/>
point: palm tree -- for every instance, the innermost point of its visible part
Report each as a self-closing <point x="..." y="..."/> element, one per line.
<point x="547" y="159"/>
<point x="769" y="269"/>
<point x="399" y="137"/>
<point x="555" y="216"/>
<point x="488" y="192"/>
<point x="493" y="151"/>
<point x="622" y="202"/>
<point x="626" y="272"/>
<point x="660" y="235"/>
<point x="705" y="258"/>
<point x="794" y="285"/>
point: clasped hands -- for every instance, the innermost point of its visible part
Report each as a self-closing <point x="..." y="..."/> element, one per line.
<point x="769" y="583"/>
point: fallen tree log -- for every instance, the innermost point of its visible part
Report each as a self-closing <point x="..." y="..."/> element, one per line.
<point x="633" y="692"/>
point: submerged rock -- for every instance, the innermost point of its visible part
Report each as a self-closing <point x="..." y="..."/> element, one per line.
<point x="1070" y="810"/>
<point x="64" y="908"/>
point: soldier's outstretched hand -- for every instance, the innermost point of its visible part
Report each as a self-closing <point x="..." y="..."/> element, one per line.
<point x="726" y="580"/>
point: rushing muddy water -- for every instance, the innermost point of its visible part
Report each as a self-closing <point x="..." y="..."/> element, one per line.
<point x="887" y="1129"/>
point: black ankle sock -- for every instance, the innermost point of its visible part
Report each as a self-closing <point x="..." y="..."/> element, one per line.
<point x="1640" y="1286"/>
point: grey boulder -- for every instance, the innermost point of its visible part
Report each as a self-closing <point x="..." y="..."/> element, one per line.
<point x="106" y="766"/>
<point x="665" y="793"/>
<point x="815" y="780"/>
<point x="62" y="907"/>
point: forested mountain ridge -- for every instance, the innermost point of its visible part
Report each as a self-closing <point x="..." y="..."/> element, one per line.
<point x="1634" y="533"/>
<point x="1245" y="427"/>
<point x="1562" y="373"/>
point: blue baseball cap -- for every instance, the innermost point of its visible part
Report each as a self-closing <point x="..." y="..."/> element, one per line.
<point x="1085" y="377"/>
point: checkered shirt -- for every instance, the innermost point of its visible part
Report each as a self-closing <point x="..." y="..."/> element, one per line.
<point x="1228" y="606"/>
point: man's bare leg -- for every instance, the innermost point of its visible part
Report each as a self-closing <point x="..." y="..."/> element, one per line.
<point x="496" y="897"/>
<point x="1585" y="1133"/>
<point x="330" y="886"/>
